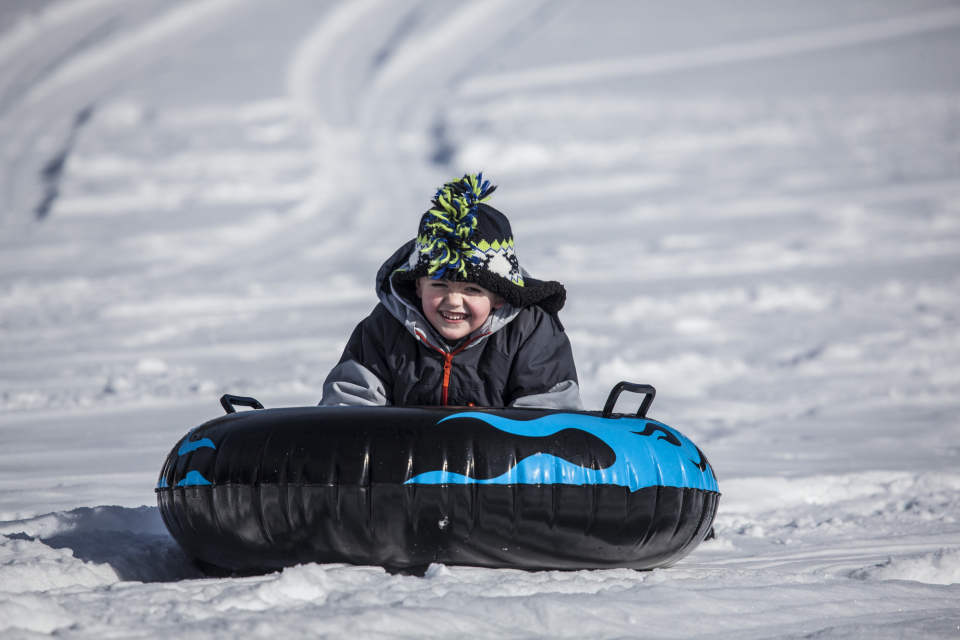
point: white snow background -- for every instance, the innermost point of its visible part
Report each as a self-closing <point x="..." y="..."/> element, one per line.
<point x="754" y="205"/>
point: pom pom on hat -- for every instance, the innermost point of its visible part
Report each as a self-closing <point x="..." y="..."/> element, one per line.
<point x="446" y="229"/>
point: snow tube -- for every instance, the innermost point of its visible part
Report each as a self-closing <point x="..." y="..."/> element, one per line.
<point x="403" y="487"/>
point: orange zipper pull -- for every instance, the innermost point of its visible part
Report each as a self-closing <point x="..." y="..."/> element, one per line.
<point x="447" y="361"/>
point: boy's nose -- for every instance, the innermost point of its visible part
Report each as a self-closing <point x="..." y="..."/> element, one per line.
<point x="454" y="299"/>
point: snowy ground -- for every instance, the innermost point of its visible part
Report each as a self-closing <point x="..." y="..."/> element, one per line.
<point x="755" y="207"/>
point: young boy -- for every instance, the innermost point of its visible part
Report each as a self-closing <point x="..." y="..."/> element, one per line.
<point x="459" y="322"/>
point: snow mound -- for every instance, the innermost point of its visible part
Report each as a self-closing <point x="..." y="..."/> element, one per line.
<point x="87" y="519"/>
<point x="293" y="587"/>
<point x="939" y="567"/>
<point x="31" y="612"/>
<point x="89" y="547"/>
<point x="30" y="565"/>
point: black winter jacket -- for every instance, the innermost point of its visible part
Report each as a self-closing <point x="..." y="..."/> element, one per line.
<point x="519" y="357"/>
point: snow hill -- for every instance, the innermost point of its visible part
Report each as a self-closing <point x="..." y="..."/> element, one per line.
<point x="754" y="206"/>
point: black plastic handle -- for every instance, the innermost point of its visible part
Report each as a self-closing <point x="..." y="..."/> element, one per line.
<point x="227" y="401"/>
<point x="649" y="392"/>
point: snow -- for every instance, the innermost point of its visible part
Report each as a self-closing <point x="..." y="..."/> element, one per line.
<point x="755" y="207"/>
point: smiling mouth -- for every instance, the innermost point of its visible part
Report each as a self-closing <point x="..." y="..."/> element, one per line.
<point x="452" y="317"/>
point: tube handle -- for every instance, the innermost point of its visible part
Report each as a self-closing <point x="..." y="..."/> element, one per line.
<point x="227" y="402"/>
<point x="649" y="392"/>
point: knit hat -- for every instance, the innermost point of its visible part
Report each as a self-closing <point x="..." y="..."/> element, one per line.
<point x="461" y="238"/>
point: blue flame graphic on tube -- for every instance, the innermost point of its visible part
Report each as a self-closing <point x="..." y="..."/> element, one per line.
<point x="642" y="460"/>
<point x="188" y="446"/>
<point x="193" y="477"/>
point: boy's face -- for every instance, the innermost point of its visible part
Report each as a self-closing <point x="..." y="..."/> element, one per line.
<point x="456" y="309"/>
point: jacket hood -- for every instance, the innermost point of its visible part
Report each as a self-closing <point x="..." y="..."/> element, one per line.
<point x="407" y="311"/>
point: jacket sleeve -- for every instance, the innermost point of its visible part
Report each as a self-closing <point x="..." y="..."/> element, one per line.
<point x="362" y="377"/>
<point x="544" y="375"/>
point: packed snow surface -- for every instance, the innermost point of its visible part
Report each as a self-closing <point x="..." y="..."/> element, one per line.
<point x="754" y="207"/>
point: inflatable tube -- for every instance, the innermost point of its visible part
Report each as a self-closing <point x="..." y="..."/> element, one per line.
<point x="405" y="487"/>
